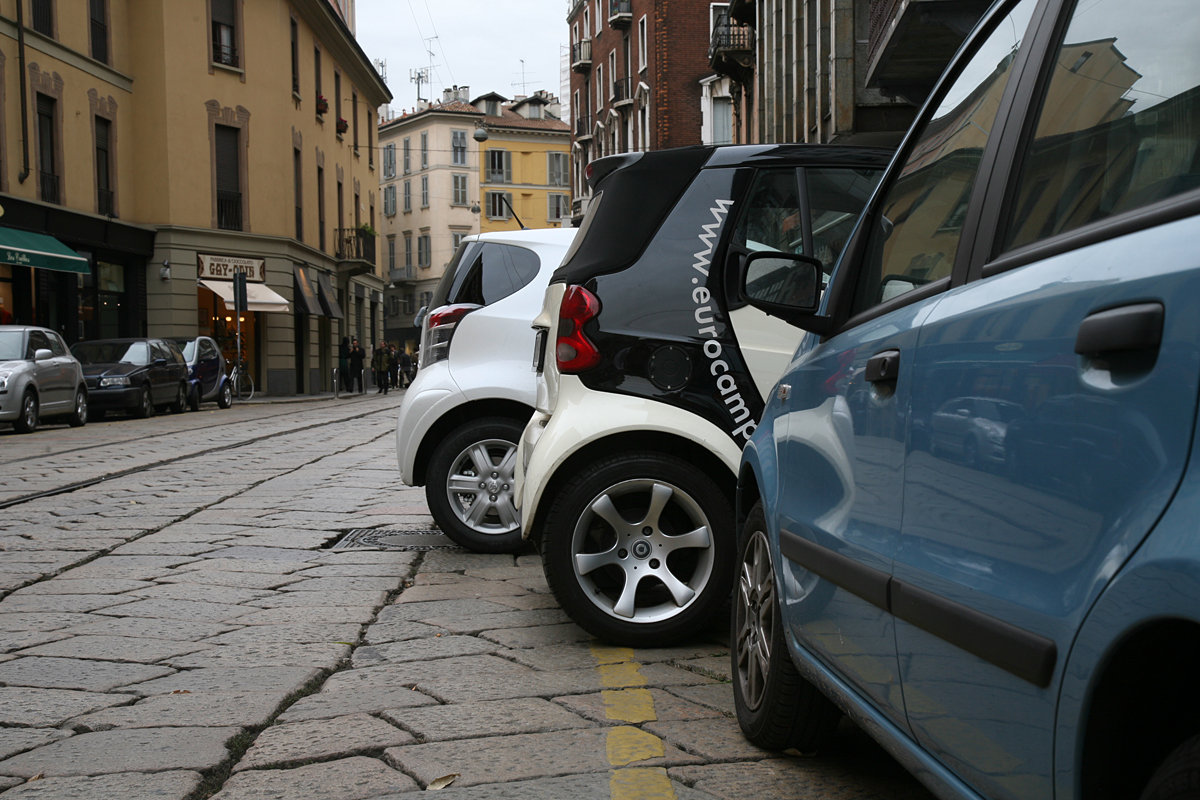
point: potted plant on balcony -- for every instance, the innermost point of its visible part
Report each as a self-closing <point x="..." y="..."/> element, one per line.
<point x="322" y="105"/>
<point x="367" y="230"/>
<point x="342" y="125"/>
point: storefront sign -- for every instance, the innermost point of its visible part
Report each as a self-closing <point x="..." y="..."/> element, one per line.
<point x="225" y="267"/>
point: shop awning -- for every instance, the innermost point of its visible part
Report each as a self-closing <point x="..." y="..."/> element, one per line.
<point x="39" y="250"/>
<point x="328" y="297"/>
<point x="258" y="296"/>
<point x="306" y="298"/>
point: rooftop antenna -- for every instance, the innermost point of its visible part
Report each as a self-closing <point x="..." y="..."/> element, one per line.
<point x="524" y="84"/>
<point x="381" y="67"/>
<point x="419" y="76"/>
<point x="429" y="49"/>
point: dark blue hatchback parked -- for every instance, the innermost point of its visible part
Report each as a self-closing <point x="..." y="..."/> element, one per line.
<point x="969" y="515"/>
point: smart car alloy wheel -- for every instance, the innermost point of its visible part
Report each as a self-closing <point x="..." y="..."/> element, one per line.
<point x="636" y="560"/>
<point x="225" y="396"/>
<point x="470" y="486"/>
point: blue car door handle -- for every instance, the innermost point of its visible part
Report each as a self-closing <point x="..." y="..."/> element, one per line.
<point x="883" y="366"/>
<point x="1129" y="328"/>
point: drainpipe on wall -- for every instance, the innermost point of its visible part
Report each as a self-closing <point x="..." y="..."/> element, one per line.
<point x="24" y="173"/>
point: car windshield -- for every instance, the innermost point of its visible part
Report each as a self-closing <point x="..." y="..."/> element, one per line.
<point x="10" y="345"/>
<point x="136" y="353"/>
<point x="188" y="346"/>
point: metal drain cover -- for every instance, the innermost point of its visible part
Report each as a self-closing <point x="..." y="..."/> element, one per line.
<point x="387" y="539"/>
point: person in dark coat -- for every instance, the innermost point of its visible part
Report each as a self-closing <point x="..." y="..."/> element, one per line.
<point x="357" y="357"/>
<point x="404" y="362"/>
<point x="393" y="367"/>
<point x="379" y="365"/>
<point x="344" y="363"/>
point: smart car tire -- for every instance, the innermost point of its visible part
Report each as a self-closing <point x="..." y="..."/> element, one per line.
<point x="1178" y="777"/>
<point x="28" y="421"/>
<point x="79" y="416"/>
<point x="636" y="549"/>
<point x="194" y="399"/>
<point x="179" y="405"/>
<point x="225" y="397"/>
<point x="145" y="407"/>
<point x="470" y="485"/>
<point x="776" y="707"/>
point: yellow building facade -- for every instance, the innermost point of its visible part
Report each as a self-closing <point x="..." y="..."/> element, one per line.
<point x="175" y="142"/>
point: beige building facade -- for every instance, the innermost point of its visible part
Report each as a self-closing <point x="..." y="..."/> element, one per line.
<point x="175" y="143"/>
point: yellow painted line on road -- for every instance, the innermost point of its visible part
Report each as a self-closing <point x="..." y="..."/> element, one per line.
<point x="626" y="744"/>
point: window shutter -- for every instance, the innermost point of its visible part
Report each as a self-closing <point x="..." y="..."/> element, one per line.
<point x="223" y="12"/>
<point x="507" y="167"/>
<point x="550" y="206"/>
<point x="228" y="177"/>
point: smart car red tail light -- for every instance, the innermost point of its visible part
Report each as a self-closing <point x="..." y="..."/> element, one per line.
<point x="439" y="329"/>
<point x="572" y="350"/>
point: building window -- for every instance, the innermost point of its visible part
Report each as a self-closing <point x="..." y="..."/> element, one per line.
<point x="354" y="118"/>
<point x="295" y="56"/>
<point x="641" y="34"/>
<point x="408" y="196"/>
<point x="389" y="162"/>
<point x="391" y="253"/>
<point x="460" y="190"/>
<point x="458" y="148"/>
<point x="599" y="87"/>
<point x="317" y="78"/>
<point x="424" y="191"/>
<point x="337" y="100"/>
<point x="498" y="204"/>
<point x="558" y="207"/>
<point x="424" y="150"/>
<point x="299" y="192"/>
<point x="224" y="32"/>
<point x="104" y="177"/>
<point x="408" y="262"/>
<point x="389" y="200"/>
<point x="407" y="157"/>
<point x="370" y="139"/>
<point x="557" y="169"/>
<point x="321" y="207"/>
<point x="43" y="16"/>
<point x="424" y="258"/>
<point x="410" y="303"/>
<point x="612" y="74"/>
<point x="229" y="184"/>
<point x="98" y="28"/>
<point x="499" y="166"/>
<point x="47" y="140"/>
<point x="456" y="238"/>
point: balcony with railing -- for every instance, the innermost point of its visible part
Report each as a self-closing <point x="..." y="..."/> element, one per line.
<point x="229" y="210"/>
<point x="225" y="54"/>
<point x="106" y="203"/>
<point x="620" y="13"/>
<point x="731" y="48"/>
<point x="909" y="44"/>
<point x="583" y="127"/>
<point x="622" y="92"/>
<point x="49" y="186"/>
<point x="355" y="244"/>
<point x="581" y="56"/>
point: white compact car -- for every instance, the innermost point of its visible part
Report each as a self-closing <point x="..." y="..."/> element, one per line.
<point x="475" y="386"/>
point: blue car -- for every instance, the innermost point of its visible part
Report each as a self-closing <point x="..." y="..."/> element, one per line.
<point x="1012" y="609"/>
<point x="207" y="379"/>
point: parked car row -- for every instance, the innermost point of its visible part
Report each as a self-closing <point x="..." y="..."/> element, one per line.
<point x="928" y="419"/>
<point x="40" y="378"/>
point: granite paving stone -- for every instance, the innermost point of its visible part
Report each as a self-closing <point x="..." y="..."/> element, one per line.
<point x="717" y="696"/>
<point x="440" y="608"/>
<point x="458" y="560"/>
<point x="503" y="619"/>
<point x="358" y="571"/>
<point x="321" y="655"/>
<point x="225" y="679"/>
<point x="202" y="709"/>
<point x="322" y="739"/>
<point x="76" y="603"/>
<point x="474" y="720"/>
<point x="572" y="656"/>
<point x="520" y="757"/>
<point x="188" y="610"/>
<point x="299" y="633"/>
<point x="505" y="573"/>
<point x="143" y="547"/>
<point x="321" y="615"/>
<point x="266" y="554"/>
<point x="222" y="577"/>
<point x="713" y="666"/>
<point x="532" y="584"/>
<point x="18" y="740"/>
<point x="537" y="636"/>
<point x="423" y="649"/>
<point x="199" y="593"/>
<point x="454" y="591"/>
<point x="306" y="599"/>
<point x="412" y="672"/>
<point x="44" y="621"/>
<point x="70" y="673"/>
<point x="368" y="700"/>
<point x="586" y="786"/>
<point x="482" y="686"/>
<point x="132" y="750"/>
<point x="19" y="640"/>
<point x="174" y="785"/>
<point x="358" y="556"/>
<point x="346" y="585"/>
<point x="277" y="538"/>
<point x="149" y="628"/>
<point x="527" y="602"/>
<point x="356" y="778"/>
<point x="114" y="648"/>
<point x="42" y="708"/>
<point x="127" y="567"/>
<point x="63" y="585"/>
<point x="666" y="706"/>
<point x="716" y="739"/>
<point x="399" y="631"/>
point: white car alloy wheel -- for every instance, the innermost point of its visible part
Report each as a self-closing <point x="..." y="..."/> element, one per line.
<point x="633" y="548"/>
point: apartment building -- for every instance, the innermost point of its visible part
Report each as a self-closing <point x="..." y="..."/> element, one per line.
<point x="149" y="141"/>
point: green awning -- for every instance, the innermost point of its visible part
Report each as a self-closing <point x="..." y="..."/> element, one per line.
<point x="38" y="250"/>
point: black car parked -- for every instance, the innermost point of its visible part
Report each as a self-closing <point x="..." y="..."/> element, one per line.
<point x="138" y="375"/>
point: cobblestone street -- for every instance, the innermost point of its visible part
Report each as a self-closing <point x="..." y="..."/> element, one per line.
<point x="186" y="630"/>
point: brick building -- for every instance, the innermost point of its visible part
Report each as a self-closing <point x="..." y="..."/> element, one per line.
<point x="637" y="68"/>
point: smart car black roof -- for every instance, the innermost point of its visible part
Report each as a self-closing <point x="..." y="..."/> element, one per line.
<point x="638" y="196"/>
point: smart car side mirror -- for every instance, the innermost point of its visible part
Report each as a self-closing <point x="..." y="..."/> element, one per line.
<point x="420" y="317"/>
<point x="42" y="354"/>
<point x="785" y="285"/>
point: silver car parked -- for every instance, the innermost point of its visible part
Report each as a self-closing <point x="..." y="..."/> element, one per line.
<point x="39" y="378"/>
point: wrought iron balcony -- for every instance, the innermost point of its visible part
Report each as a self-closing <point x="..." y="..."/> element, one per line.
<point x="355" y="244"/>
<point x="583" y="126"/>
<point x="106" y="203"/>
<point x="731" y="49"/>
<point x="620" y="13"/>
<point x="49" y="185"/>
<point x="229" y="210"/>
<point x="225" y="54"/>
<point x="622" y="92"/>
<point x="581" y="56"/>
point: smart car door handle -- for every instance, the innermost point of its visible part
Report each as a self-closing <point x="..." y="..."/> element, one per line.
<point x="1133" y="327"/>
<point x="883" y="366"/>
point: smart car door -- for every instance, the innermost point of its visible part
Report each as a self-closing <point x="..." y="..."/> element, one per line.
<point x="1078" y="322"/>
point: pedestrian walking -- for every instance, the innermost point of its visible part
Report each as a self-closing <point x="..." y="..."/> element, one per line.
<point x="356" y="359"/>
<point x="344" y="363"/>
<point x="379" y="364"/>
<point x="405" y="363"/>
<point x="393" y="367"/>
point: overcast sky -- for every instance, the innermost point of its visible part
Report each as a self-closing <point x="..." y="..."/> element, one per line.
<point x="480" y="44"/>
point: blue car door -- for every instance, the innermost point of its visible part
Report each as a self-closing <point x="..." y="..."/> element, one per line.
<point x="1078" y="322"/>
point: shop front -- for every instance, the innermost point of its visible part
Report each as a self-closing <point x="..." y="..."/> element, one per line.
<point x="216" y="317"/>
